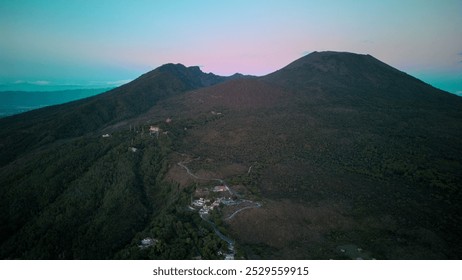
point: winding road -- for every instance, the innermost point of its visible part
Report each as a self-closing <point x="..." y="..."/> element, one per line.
<point x="204" y="217"/>
<point x="257" y="205"/>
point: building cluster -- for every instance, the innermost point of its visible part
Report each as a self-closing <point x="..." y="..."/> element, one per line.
<point x="206" y="201"/>
<point x="206" y="205"/>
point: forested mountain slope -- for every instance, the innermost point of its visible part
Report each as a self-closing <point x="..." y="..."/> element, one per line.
<point x="347" y="157"/>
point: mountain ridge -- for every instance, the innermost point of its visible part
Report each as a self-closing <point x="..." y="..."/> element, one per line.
<point x="101" y="110"/>
<point x="340" y="150"/>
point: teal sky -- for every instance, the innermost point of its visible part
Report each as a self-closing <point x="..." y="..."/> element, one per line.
<point x="100" y="43"/>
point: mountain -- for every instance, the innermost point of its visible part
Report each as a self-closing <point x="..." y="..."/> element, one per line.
<point x="40" y="127"/>
<point x="337" y="155"/>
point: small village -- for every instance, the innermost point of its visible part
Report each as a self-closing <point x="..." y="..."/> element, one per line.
<point x="204" y="205"/>
<point x="206" y="201"/>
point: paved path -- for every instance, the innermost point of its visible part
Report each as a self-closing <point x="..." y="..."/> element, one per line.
<point x="257" y="205"/>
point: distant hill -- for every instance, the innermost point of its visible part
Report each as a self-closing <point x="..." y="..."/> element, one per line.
<point x="15" y="102"/>
<point x="346" y="156"/>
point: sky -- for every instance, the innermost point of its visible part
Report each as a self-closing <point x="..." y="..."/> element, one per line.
<point x="104" y="43"/>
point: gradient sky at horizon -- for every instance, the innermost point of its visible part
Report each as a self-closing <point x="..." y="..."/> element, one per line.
<point x="108" y="42"/>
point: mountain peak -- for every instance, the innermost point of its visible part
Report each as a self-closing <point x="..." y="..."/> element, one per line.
<point x="178" y="67"/>
<point x="337" y="70"/>
<point x="325" y="58"/>
<point x="168" y="66"/>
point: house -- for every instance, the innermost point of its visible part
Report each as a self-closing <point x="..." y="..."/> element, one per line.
<point x="199" y="203"/>
<point x="148" y="242"/>
<point x="220" y="188"/>
<point x="106" y="135"/>
<point x="154" y="129"/>
<point x="168" y="120"/>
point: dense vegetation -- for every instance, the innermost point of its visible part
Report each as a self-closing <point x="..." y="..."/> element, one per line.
<point x="91" y="197"/>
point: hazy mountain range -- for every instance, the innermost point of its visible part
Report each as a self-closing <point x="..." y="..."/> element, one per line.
<point x="337" y="155"/>
<point x="15" y="102"/>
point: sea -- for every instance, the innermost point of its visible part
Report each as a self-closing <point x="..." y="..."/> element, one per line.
<point x="17" y="102"/>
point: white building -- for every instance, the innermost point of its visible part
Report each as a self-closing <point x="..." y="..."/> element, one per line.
<point x="154" y="129"/>
<point x="220" y="189"/>
<point x="199" y="202"/>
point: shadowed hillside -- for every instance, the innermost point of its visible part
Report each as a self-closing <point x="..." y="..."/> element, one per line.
<point x="33" y="129"/>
